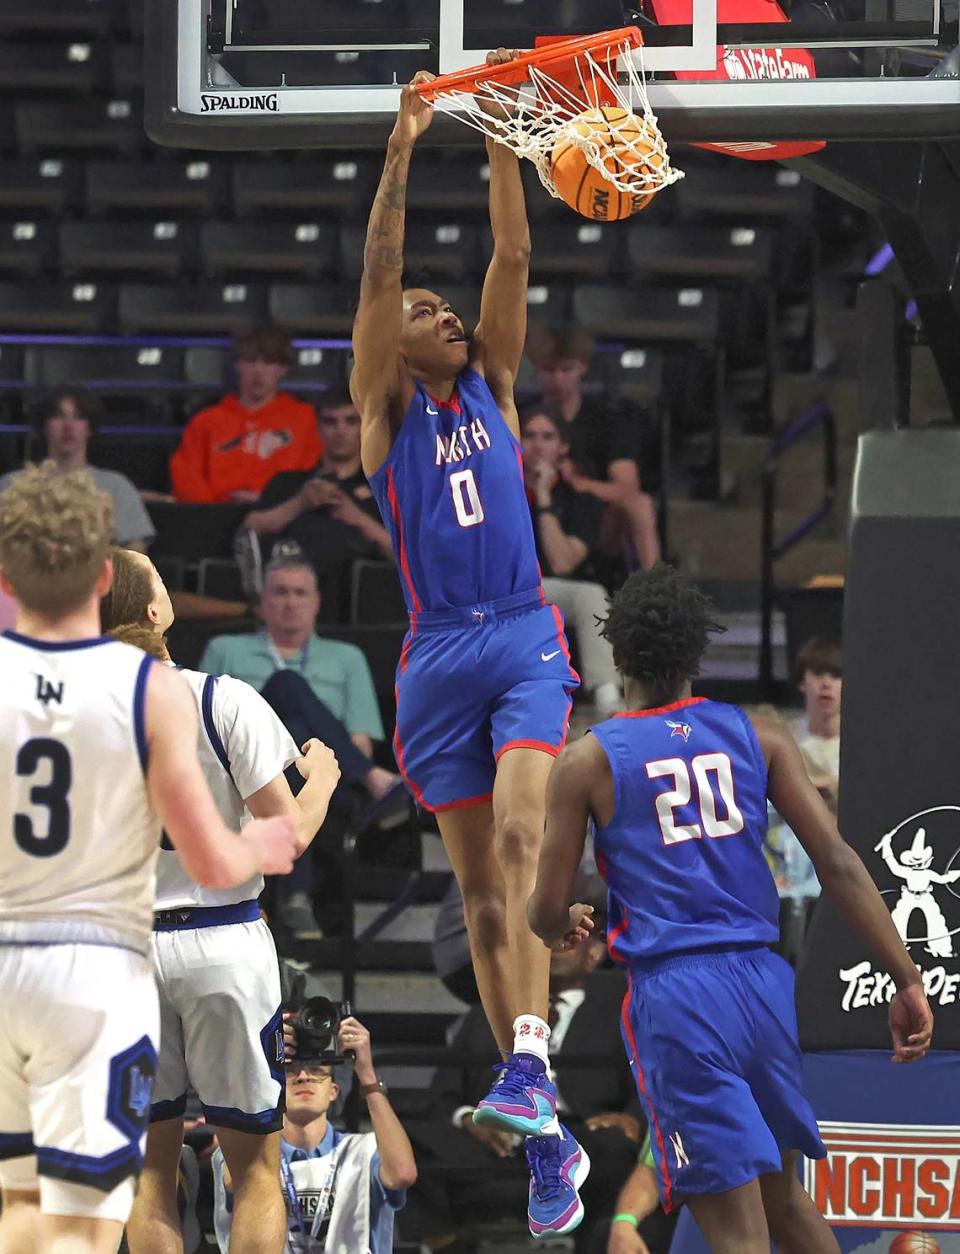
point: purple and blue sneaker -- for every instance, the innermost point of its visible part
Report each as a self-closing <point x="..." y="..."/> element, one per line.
<point x="558" y="1167"/>
<point x="523" y="1099"/>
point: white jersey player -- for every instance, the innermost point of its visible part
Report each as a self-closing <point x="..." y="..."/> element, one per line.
<point x="97" y="748"/>
<point x="217" y="970"/>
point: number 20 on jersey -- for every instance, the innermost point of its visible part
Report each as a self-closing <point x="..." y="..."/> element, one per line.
<point x="710" y="775"/>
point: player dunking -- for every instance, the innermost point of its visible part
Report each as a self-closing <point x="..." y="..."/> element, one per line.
<point x="484" y="679"/>
<point x="677" y="788"/>
<point x="97" y="746"/>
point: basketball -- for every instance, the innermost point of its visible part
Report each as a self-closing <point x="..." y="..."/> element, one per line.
<point x="627" y="141"/>
<point x="914" y="1243"/>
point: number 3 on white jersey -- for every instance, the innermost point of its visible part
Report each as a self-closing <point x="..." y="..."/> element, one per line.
<point x="704" y="766"/>
<point x="466" y="498"/>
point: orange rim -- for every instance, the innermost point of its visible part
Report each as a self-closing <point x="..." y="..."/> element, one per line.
<point x="552" y="55"/>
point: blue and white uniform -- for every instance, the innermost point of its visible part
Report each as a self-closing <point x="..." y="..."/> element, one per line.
<point x="485" y="666"/>
<point x="216" y="962"/>
<point x="80" y="1024"/>
<point x="708" y="1022"/>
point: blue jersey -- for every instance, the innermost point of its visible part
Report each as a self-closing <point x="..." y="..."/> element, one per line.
<point x="683" y="855"/>
<point x="452" y="496"/>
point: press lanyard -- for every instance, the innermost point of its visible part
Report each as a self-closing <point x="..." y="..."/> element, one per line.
<point x="293" y="1198"/>
<point x="283" y="662"/>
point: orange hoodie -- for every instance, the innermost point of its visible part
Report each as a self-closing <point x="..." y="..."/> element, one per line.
<point x="227" y="448"/>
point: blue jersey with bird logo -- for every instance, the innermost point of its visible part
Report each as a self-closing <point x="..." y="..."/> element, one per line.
<point x="683" y="854"/>
<point x="452" y="497"/>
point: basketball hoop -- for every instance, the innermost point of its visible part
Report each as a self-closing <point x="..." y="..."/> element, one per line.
<point x="556" y="95"/>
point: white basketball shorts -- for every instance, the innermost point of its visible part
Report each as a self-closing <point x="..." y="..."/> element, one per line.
<point x="220" y="1026"/>
<point x="78" y="1054"/>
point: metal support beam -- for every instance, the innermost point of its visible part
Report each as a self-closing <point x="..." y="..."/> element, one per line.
<point x="883" y="358"/>
<point x="913" y="189"/>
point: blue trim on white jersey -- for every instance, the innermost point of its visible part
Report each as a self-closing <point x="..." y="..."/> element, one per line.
<point x="15" y="1145"/>
<point x="206" y="709"/>
<point x="102" y="1173"/>
<point x="57" y="646"/>
<point x="173" y="1109"/>
<point x="140" y="710"/>
<point x="261" y="1123"/>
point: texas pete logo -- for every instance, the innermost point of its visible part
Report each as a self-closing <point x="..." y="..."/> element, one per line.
<point x="918" y="872"/>
<point x="235" y="102"/>
<point x="880" y="1175"/>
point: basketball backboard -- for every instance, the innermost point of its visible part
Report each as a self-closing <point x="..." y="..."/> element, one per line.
<point x="324" y="73"/>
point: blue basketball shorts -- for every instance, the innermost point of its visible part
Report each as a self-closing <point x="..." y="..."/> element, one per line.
<point x="712" y="1042"/>
<point x="473" y="683"/>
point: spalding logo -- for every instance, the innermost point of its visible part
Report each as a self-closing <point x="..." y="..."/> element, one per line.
<point x="262" y="102"/>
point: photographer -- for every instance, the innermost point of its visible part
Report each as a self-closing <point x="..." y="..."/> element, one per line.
<point x="341" y="1189"/>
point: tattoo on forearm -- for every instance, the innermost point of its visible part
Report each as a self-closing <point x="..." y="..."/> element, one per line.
<point x="384" y="245"/>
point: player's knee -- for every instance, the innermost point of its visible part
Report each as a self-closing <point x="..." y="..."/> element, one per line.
<point x="486" y="918"/>
<point x="518" y="842"/>
<point x="788" y="1216"/>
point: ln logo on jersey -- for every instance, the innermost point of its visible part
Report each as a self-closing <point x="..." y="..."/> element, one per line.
<point x="679" y="729"/>
<point x="880" y="1175"/>
<point x="47" y="692"/>
<point x="131" y="1086"/>
<point x="921" y="886"/>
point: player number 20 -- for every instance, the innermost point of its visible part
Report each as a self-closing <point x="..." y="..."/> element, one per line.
<point x="713" y="781"/>
<point x="466" y="498"/>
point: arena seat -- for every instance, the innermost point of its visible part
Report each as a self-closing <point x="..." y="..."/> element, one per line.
<point x="317" y="309"/>
<point x="53" y="69"/>
<point x="87" y="125"/>
<point x="170" y="187"/>
<point x="746" y="190"/>
<point x="578" y="249"/>
<point x="307" y="248"/>
<point x="375" y="594"/>
<point x="27" y="247"/>
<point x="668" y="315"/>
<point x="126" y="67"/>
<point x="317" y="184"/>
<point x="193" y="532"/>
<point x="143" y="456"/>
<point x="135" y="380"/>
<point x="445" y="250"/>
<point x="212" y="308"/>
<point x="156" y="249"/>
<point x="48" y="185"/>
<point x="77" y="17"/>
<point x="81" y="308"/>
<point x="549" y="302"/>
<point x="450" y="183"/>
<point x="633" y="373"/>
<point x="720" y="253"/>
<point x="317" y="370"/>
<point x="220" y="577"/>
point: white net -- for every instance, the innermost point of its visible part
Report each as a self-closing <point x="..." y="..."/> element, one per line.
<point x="623" y="143"/>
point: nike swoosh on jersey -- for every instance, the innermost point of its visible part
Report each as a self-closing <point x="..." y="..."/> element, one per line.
<point x="546" y="657"/>
<point x="434" y="413"/>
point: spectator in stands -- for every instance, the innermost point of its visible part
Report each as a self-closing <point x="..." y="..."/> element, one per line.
<point x="567" y="530"/>
<point x="342" y="1188"/>
<point x="605" y="438"/>
<point x="598" y="1103"/>
<point x="67" y="419"/>
<point x="313" y="683"/>
<point x="820" y="678"/>
<point x="328" y="510"/>
<point x="231" y="451"/>
<point x="638" y="1225"/>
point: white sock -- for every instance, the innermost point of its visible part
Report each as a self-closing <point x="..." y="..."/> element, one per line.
<point x="531" y="1036"/>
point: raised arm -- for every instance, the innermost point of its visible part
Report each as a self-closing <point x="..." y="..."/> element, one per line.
<point x="846" y="881"/>
<point x="574" y="793"/>
<point x="379" y="385"/>
<point x="211" y="854"/>
<point x="502" y="329"/>
<point x="308" y="809"/>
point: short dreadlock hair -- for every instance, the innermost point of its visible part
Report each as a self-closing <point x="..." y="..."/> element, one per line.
<point x="659" y="625"/>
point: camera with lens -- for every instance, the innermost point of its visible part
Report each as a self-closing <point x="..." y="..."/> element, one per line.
<point x="316" y="1026"/>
